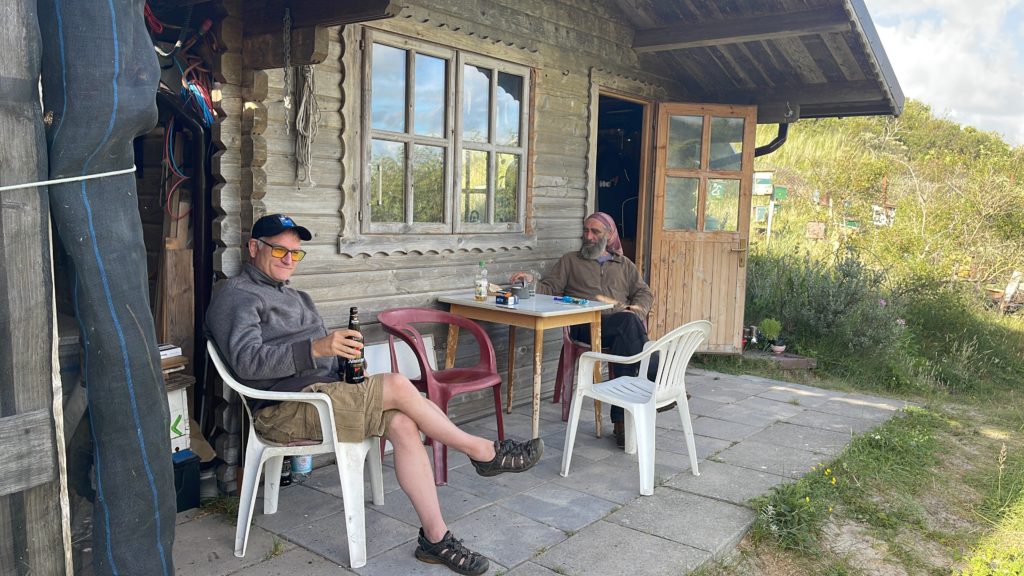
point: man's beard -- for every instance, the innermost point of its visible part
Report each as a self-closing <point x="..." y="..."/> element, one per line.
<point x="593" y="250"/>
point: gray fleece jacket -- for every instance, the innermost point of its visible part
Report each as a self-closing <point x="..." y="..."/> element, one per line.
<point x="265" y="331"/>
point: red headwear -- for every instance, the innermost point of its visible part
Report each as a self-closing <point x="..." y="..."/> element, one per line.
<point x="614" y="245"/>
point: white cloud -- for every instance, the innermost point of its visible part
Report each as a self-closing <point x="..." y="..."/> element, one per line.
<point x="964" y="59"/>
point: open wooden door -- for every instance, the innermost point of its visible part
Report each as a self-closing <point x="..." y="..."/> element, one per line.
<point x="704" y="157"/>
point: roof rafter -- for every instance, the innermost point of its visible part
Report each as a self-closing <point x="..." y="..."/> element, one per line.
<point x="748" y="29"/>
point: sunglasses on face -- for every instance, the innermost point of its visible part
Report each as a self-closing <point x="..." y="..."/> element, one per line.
<point x="280" y="251"/>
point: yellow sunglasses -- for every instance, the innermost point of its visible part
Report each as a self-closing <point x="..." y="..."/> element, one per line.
<point x="280" y="251"/>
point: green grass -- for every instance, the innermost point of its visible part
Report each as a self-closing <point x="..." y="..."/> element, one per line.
<point x="895" y="458"/>
<point x="1001" y="552"/>
<point x="225" y="505"/>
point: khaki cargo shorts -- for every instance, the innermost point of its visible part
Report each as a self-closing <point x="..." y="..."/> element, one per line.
<point x="358" y="413"/>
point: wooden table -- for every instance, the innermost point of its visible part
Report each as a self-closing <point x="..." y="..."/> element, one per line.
<point x="538" y="313"/>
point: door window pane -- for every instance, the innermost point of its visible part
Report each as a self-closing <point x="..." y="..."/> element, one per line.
<point x="388" y="88"/>
<point x="684" y="141"/>
<point x="726" y="143"/>
<point x="506" y="188"/>
<point x="509" y="101"/>
<point x="476" y="103"/>
<point x="427" y="184"/>
<point x="387" y="181"/>
<point x="428" y="106"/>
<point x="722" y="207"/>
<point x="474" y="186"/>
<point x="681" y="203"/>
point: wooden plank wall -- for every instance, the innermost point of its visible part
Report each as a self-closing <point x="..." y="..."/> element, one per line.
<point x="563" y="41"/>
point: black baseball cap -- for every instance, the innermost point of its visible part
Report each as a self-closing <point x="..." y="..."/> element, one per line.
<point x="274" y="224"/>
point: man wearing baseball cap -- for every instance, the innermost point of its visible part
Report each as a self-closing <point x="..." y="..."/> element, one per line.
<point x="274" y="339"/>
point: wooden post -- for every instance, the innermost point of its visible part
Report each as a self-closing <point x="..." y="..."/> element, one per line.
<point x="34" y="519"/>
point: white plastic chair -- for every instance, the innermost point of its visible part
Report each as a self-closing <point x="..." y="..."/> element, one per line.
<point x="349" y="456"/>
<point x="640" y="397"/>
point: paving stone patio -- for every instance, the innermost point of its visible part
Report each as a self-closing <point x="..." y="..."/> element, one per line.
<point x="752" y="434"/>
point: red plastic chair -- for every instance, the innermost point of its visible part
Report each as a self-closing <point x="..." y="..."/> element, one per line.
<point x="442" y="385"/>
<point x="567" y="359"/>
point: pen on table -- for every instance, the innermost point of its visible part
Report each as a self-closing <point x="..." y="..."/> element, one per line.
<point x="571" y="300"/>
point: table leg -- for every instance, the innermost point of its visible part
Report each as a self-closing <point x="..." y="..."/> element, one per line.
<point x="453" y="341"/>
<point x="511" y="368"/>
<point x="595" y="344"/>
<point x="538" y="352"/>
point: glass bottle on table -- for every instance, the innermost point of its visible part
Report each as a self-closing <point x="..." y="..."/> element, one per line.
<point x="480" y="284"/>
<point x="355" y="368"/>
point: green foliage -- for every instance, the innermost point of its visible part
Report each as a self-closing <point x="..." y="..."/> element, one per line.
<point x="1002" y="552"/>
<point x="771" y="328"/>
<point x="896" y="457"/>
<point x="898" y="307"/>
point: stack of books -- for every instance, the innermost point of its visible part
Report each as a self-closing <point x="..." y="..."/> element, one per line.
<point x="171" y="360"/>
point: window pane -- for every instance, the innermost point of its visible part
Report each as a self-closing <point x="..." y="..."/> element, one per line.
<point x="681" y="203"/>
<point x="388" y="89"/>
<point x="684" y="140"/>
<point x="726" y="143"/>
<point x="476" y="103"/>
<point x="474" y="186"/>
<point x="509" y="97"/>
<point x="428" y="105"/>
<point x="387" y="181"/>
<point x="506" y="188"/>
<point x="427" y="184"/>
<point x="722" y="207"/>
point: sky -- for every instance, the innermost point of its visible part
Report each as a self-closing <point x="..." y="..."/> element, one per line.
<point x="964" y="58"/>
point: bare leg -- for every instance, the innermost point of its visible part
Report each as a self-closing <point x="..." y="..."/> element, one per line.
<point x="412" y="466"/>
<point x="401" y="395"/>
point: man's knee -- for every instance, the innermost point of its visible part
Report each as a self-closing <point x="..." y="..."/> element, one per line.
<point x="398" y="386"/>
<point x="403" y="429"/>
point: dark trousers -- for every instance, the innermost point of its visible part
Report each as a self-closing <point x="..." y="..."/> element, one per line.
<point x="622" y="334"/>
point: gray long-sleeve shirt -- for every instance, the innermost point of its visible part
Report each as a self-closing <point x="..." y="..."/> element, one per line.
<point x="265" y="331"/>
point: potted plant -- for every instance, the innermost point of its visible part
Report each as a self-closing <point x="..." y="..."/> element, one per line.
<point x="771" y="329"/>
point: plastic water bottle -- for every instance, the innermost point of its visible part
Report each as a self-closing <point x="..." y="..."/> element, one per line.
<point x="480" y="285"/>
<point x="301" y="468"/>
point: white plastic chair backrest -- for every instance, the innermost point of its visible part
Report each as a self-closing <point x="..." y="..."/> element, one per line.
<point x="228" y="377"/>
<point x="378" y="357"/>
<point x="675" y="349"/>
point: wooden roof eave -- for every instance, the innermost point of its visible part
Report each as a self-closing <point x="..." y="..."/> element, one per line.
<point x="860" y="81"/>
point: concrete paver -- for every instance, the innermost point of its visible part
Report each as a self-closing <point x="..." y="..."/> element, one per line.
<point x="751" y="433"/>
<point x="673" y="515"/>
<point x="609" y="548"/>
<point x="727" y="482"/>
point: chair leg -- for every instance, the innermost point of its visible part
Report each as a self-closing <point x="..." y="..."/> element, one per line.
<point x="629" y="425"/>
<point x="247" y="496"/>
<point x="350" y="456"/>
<point x="272" y="484"/>
<point x="570" y="434"/>
<point x="497" y="412"/>
<point x="683" y="405"/>
<point x="440" y="462"/>
<point x="376" y="470"/>
<point x="561" y="377"/>
<point x="645" y="423"/>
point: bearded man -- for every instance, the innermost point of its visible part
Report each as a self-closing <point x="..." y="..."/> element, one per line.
<point x="599" y="271"/>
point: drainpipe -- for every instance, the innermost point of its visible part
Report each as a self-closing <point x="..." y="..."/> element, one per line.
<point x="775" y="144"/>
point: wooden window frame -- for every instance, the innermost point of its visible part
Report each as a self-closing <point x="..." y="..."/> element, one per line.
<point x="452" y="141"/>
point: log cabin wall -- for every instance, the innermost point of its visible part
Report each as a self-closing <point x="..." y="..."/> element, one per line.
<point x="570" y="46"/>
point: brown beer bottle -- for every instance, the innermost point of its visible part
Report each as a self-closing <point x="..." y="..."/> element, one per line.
<point x="355" y="368"/>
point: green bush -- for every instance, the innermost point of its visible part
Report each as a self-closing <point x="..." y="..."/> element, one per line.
<point x="838" y="298"/>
